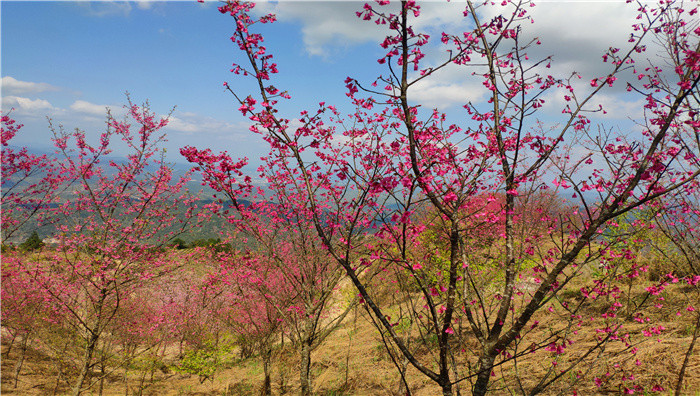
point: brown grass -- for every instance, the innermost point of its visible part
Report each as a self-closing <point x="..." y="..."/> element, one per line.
<point x="352" y="361"/>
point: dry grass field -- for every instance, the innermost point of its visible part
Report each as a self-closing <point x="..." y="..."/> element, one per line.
<point x="353" y="361"/>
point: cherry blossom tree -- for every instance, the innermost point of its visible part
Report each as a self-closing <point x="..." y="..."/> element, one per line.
<point x="287" y="250"/>
<point x="362" y="178"/>
<point x="30" y="183"/>
<point x="249" y="300"/>
<point x="113" y="225"/>
<point x="24" y="310"/>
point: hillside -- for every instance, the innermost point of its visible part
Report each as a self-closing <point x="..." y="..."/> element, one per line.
<point x="354" y="361"/>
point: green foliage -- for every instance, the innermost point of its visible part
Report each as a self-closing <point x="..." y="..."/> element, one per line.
<point x="214" y="243"/>
<point x="380" y="353"/>
<point x="404" y="325"/>
<point x="6" y="248"/>
<point x="32" y="243"/>
<point x="688" y="330"/>
<point x="206" y="361"/>
<point x="178" y="243"/>
<point x="430" y="340"/>
<point x="482" y="259"/>
<point x="148" y="363"/>
<point x="205" y="242"/>
<point x="570" y="294"/>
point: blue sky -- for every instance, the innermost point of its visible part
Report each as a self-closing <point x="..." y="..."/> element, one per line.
<point x="69" y="60"/>
<point x="76" y="58"/>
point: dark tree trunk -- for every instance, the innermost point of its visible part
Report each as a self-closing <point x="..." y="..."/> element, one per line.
<point x="267" y="383"/>
<point x="20" y="358"/>
<point x="482" y="380"/>
<point x="305" y="369"/>
<point x="9" y="347"/>
<point x="87" y="359"/>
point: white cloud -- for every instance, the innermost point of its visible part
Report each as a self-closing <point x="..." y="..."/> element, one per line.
<point x="26" y="106"/>
<point x="325" y="24"/>
<point x="328" y="24"/>
<point x="180" y="125"/>
<point x="441" y="95"/>
<point x="120" y="8"/>
<point x="617" y="106"/>
<point x="105" y="8"/>
<point x="84" y="107"/>
<point x="580" y="29"/>
<point x="192" y="129"/>
<point x="144" y="4"/>
<point x="12" y="86"/>
<point x="191" y="123"/>
<point x="576" y="33"/>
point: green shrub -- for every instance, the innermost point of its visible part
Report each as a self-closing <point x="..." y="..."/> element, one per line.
<point x="178" y="243"/>
<point x="32" y="243"/>
<point x="205" y="361"/>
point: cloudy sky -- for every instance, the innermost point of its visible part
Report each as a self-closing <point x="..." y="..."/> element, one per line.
<point x="70" y="60"/>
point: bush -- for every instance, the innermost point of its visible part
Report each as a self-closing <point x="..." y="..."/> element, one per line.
<point x="215" y="243"/>
<point x="178" y="243"/>
<point x="32" y="243"/>
<point x="206" y="361"/>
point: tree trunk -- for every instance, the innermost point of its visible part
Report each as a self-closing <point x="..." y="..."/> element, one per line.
<point x="9" y="347"/>
<point x="305" y="369"/>
<point x="267" y="383"/>
<point x="103" y="365"/>
<point x="59" y="368"/>
<point x="20" y="358"/>
<point x="403" y="385"/>
<point x="688" y="354"/>
<point x="126" y="378"/>
<point x="87" y="359"/>
<point x="446" y="389"/>
<point x="282" y="371"/>
<point x="139" y="392"/>
<point x="482" y="380"/>
<point x="458" y="390"/>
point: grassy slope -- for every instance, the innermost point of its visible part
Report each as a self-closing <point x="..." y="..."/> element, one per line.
<point x="352" y="361"/>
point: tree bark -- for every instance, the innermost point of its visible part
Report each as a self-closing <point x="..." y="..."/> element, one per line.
<point x="403" y="385"/>
<point x="447" y="389"/>
<point x="305" y="369"/>
<point x="9" y="347"/>
<point x="482" y="380"/>
<point x="267" y="383"/>
<point x="20" y="358"/>
<point x="87" y="358"/>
